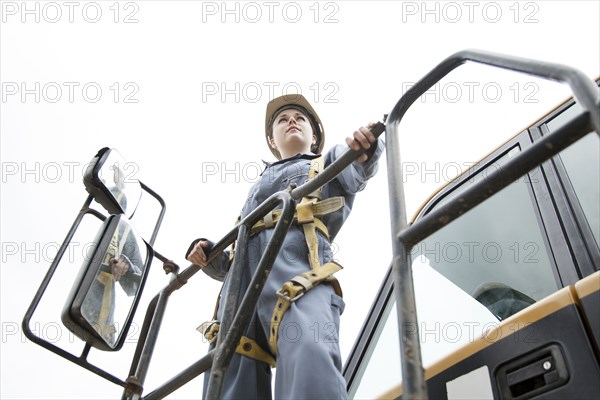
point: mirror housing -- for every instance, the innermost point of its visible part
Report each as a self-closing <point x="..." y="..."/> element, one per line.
<point x="106" y="181"/>
<point x="106" y="292"/>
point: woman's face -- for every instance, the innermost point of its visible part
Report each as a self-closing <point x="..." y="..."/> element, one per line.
<point x="292" y="133"/>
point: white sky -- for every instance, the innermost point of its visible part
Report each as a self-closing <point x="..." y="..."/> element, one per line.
<point x="183" y="88"/>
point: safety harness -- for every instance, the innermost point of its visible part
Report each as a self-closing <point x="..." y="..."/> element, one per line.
<point x="307" y="212"/>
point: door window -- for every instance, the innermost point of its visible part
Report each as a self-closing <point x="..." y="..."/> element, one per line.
<point x="478" y="270"/>
<point x="582" y="163"/>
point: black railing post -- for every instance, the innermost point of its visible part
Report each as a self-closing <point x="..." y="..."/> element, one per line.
<point x="413" y="375"/>
<point x="232" y="289"/>
<point x="229" y="338"/>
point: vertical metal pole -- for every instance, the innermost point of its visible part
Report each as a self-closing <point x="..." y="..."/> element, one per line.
<point x="148" y="351"/>
<point x="182" y="378"/>
<point x="413" y="376"/>
<point x="231" y="337"/>
<point x="234" y="283"/>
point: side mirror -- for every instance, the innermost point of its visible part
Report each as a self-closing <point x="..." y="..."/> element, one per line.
<point x="106" y="179"/>
<point x="105" y="295"/>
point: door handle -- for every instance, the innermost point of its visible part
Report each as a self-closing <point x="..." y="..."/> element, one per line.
<point x="532" y="374"/>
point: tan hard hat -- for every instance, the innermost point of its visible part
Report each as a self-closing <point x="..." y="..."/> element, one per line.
<point x="297" y="101"/>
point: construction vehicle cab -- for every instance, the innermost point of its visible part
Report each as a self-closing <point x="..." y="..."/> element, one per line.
<point x="508" y="251"/>
<point x="512" y="287"/>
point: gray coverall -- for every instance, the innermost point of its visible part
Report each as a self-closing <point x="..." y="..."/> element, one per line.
<point x="309" y="361"/>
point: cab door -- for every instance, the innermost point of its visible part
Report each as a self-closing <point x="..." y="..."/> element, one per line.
<point x="508" y="295"/>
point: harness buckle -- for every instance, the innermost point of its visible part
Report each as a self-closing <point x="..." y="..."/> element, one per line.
<point x="209" y="329"/>
<point x="285" y="295"/>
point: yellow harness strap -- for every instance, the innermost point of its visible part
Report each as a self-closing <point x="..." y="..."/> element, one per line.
<point x="209" y="329"/>
<point x="107" y="279"/>
<point x="317" y="209"/>
<point x="247" y="347"/>
<point x="306" y="218"/>
<point x="316" y="166"/>
<point x="292" y="290"/>
<point x="250" y="348"/>
<point x="115" y="247"/>
<point x="296" y="287"/>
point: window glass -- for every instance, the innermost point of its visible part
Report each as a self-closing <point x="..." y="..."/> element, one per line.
<point x="582" y="162"/>
<point x="380" y="369"/>
<point x="483" y="267"/>
<point x="496" y="252"/>
<point x="448" y="318"/>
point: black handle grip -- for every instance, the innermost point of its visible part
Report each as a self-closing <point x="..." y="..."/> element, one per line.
<point x="378" y="129"/>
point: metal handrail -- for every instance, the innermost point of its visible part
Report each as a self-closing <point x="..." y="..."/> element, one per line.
<point x="405" y="238"/>
<point x="237" y="314"/>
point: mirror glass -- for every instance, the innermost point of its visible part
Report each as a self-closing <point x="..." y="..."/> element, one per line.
<point x="107" y="293"/>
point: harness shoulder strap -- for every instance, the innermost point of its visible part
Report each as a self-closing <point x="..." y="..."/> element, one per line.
<point x="299" y="285"/>
<point x="316" y="166"/>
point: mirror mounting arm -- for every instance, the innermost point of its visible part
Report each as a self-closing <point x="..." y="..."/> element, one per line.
<point x="169" y="266"/>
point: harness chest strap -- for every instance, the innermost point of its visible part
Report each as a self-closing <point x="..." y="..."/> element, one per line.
<point x="303" y="215"/>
